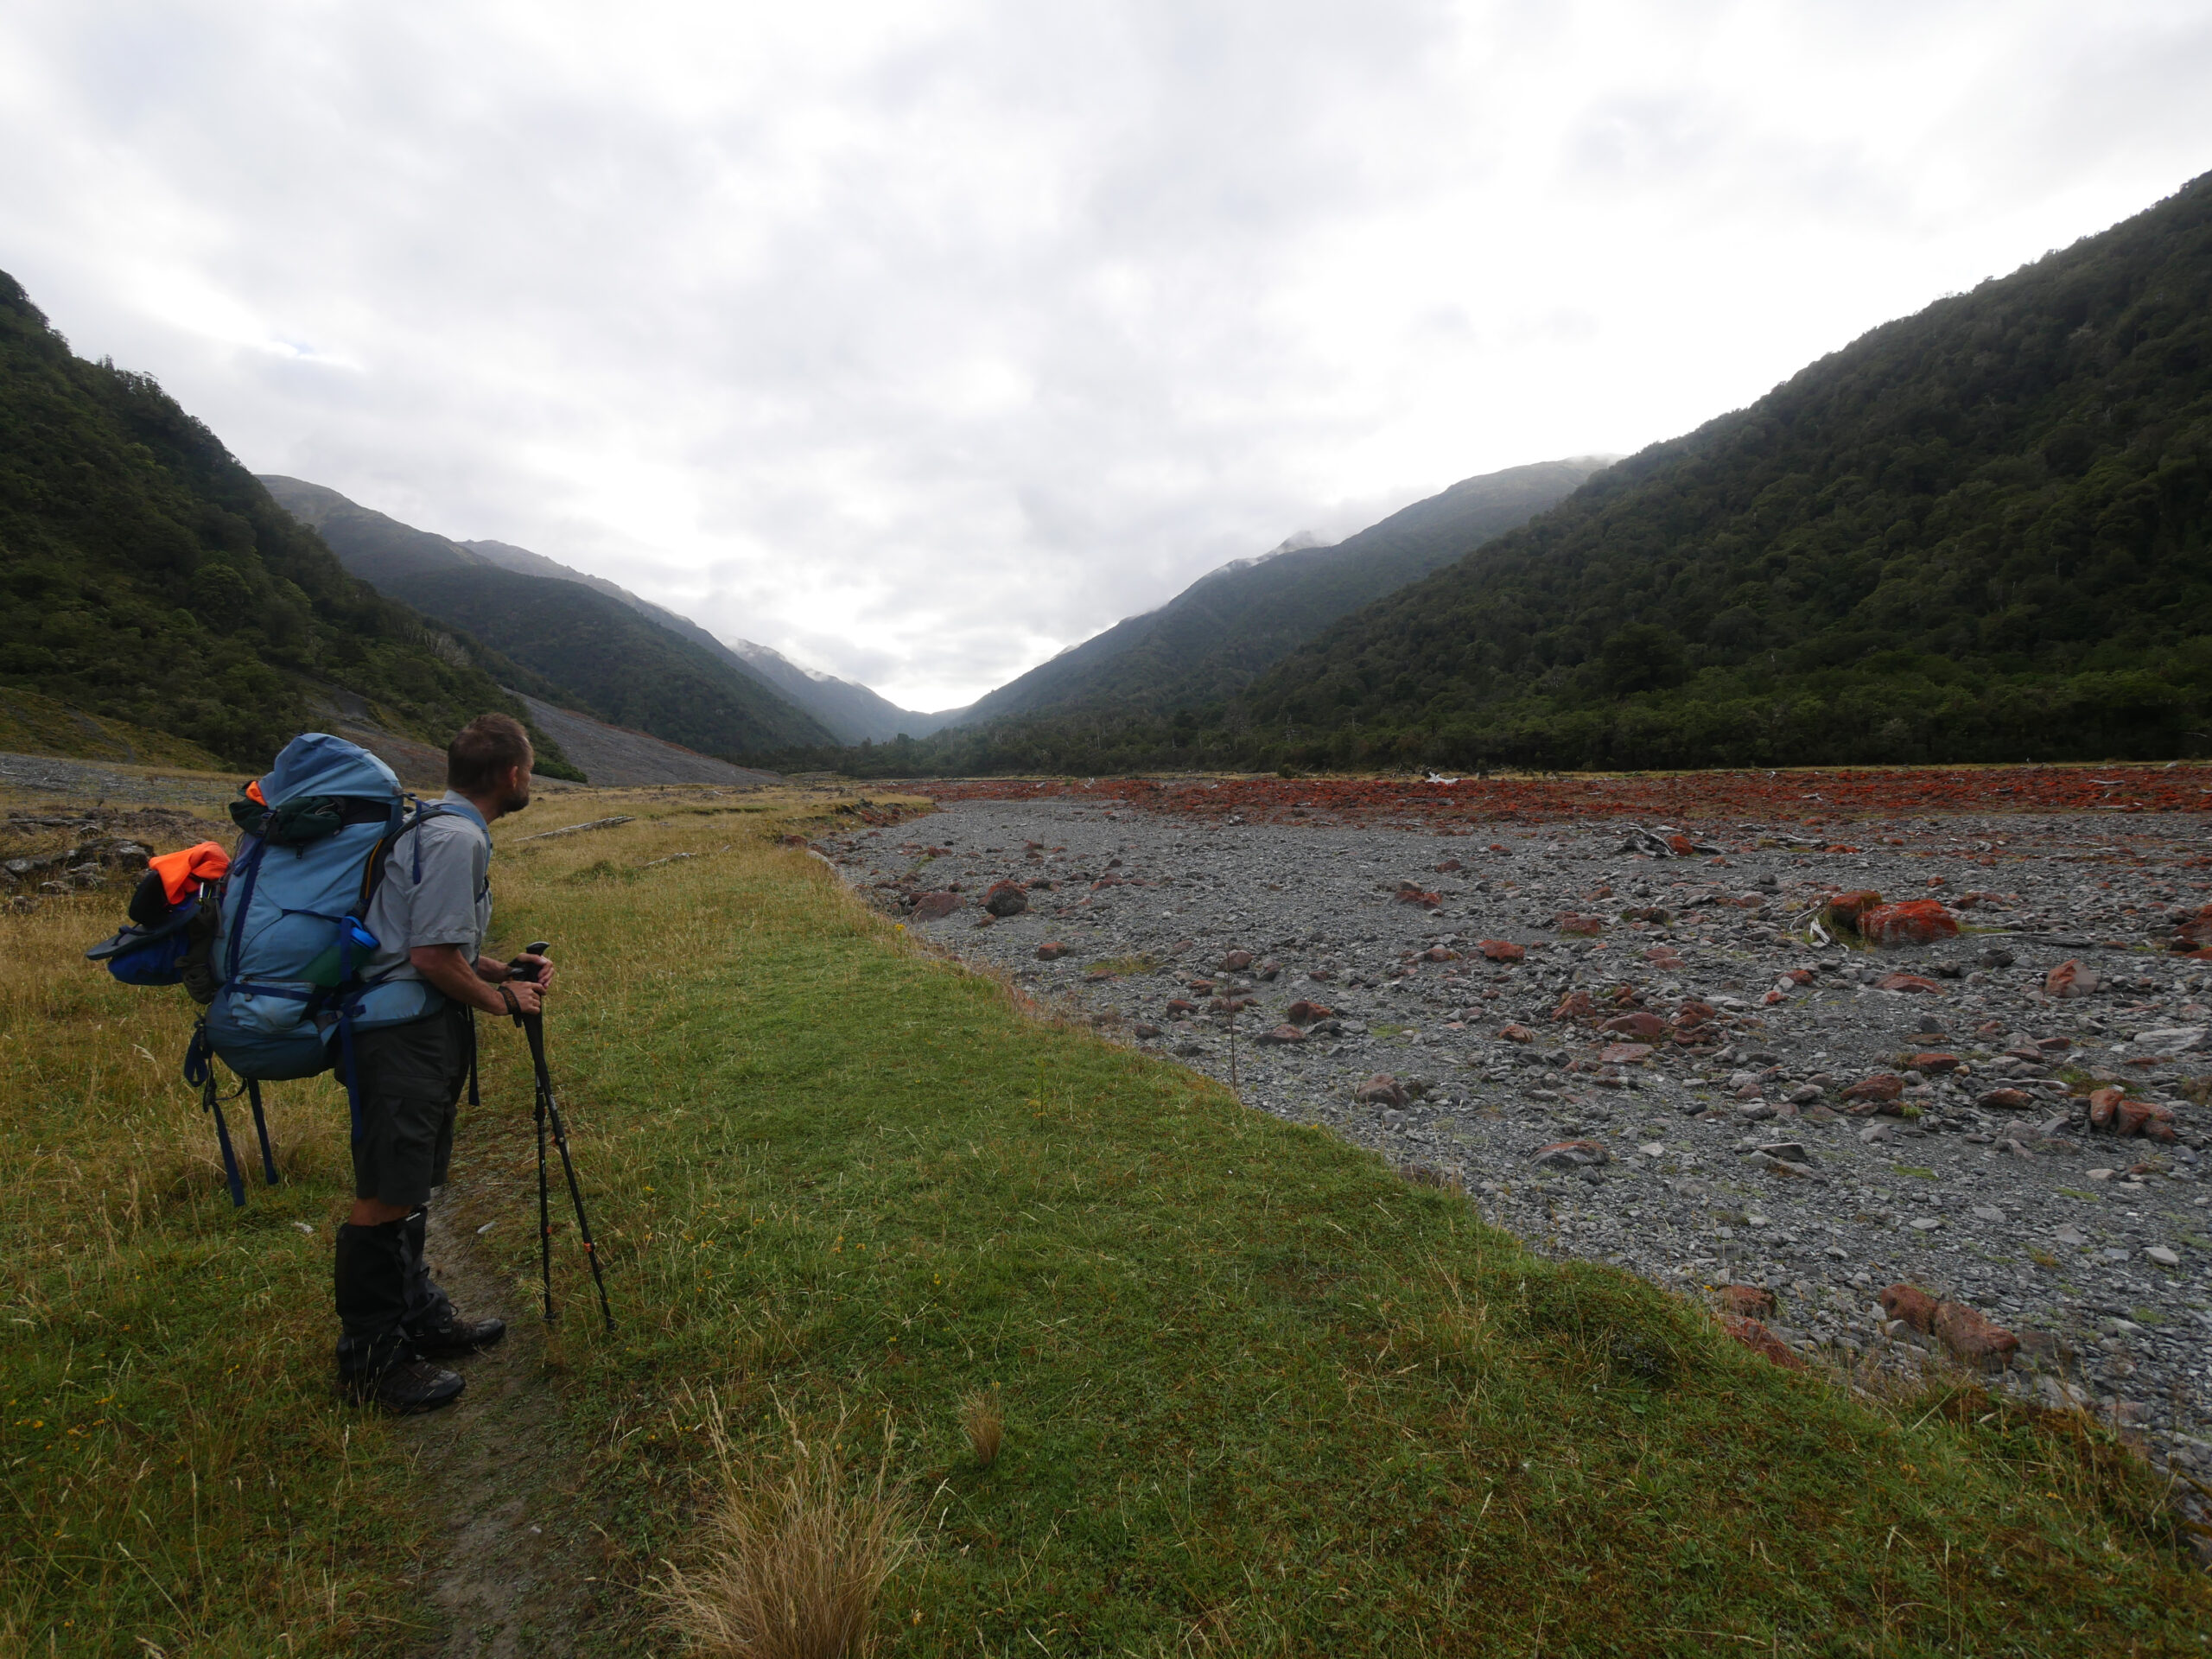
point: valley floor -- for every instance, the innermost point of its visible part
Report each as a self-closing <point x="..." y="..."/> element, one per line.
<point x="1259" y="1390"/>
<point x="2095" y="1251"/>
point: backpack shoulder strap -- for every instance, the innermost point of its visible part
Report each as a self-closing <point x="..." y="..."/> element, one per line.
<point x="373" y="876"/>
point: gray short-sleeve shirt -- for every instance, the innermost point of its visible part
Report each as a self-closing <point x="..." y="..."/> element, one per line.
<point x="436" y="890"/>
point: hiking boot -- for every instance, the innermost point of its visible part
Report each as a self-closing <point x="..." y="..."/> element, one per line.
<point x="457" y="1337"/>
<point x="403" y="1389"/>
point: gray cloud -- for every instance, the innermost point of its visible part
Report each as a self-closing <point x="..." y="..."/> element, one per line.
<point x="921" y="342"/>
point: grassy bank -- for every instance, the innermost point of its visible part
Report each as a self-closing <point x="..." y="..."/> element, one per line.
<point x="1260" y="1393"/>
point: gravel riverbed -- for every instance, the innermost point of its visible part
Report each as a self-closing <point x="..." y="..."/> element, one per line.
<point x="1724" y="1154"/>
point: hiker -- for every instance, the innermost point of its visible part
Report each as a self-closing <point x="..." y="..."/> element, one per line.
<point x="431" y="912"/>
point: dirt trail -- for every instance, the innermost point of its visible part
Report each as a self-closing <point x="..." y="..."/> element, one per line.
<point x="511" y="1572"/>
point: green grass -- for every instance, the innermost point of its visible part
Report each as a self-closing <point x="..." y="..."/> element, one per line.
<point x="174" y="1466"/>
<point x="1260" y="1393"/>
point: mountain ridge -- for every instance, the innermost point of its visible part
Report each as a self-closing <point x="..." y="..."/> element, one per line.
<point x="151" y="579"/>
<point x="584" y="647"/>
<point x="1212" y="637"/>
<point x="1976" y="532"/>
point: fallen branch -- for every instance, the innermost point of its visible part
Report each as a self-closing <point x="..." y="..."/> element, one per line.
<point x="574" y="829"/>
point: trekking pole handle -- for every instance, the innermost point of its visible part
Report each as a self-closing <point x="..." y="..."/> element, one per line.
<point x="535" y="947"/>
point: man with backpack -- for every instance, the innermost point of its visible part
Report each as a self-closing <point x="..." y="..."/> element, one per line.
<point x="430" y="912"/>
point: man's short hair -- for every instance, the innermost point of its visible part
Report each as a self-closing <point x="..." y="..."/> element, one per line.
<point x="483" y="749"/>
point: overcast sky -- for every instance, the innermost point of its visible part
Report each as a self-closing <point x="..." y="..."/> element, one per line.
<point x="920" y="341"/>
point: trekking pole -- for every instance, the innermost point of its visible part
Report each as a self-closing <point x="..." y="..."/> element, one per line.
<point x="549" y="1111"/>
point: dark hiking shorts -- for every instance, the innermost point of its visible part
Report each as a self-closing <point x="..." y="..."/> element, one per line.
<point x="411" y="1078"/>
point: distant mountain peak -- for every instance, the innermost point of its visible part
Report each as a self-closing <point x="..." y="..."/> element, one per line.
<point x="1209" y="641"/>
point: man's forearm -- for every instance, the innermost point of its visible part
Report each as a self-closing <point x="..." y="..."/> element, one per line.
<point x="445" y="967"/>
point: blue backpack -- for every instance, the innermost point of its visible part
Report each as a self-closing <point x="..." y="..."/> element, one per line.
<point x="289" y="951"/>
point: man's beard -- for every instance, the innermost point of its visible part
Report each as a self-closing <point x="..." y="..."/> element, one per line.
<point x="513" y="804"/>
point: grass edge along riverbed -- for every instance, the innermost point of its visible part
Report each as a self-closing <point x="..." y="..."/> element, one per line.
<point x="1259" y="1393"/>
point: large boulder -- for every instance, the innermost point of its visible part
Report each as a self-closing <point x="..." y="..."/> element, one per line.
<point x="1846" y="908"/>
<point x="1382" y="1090"/>
<point x="934" y="906"/>
<point x="2070" y="979"/>
<point x="1916" y="921"/>
<point x="1005" y="898"/>
<point x="1573" y="1154"/>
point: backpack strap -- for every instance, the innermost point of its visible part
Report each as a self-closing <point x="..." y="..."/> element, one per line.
<point x="261" y="1129"/>
<point x="347" y="1003"/>
<point x="246" y="868"/>
<point x="372" y="875"/>
<point x="200" y="1072"/>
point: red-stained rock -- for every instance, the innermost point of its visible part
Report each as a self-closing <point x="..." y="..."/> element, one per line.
<point x="1662" y="955"/>
<point x="1747" y="1301"/>
<point x="1587" y="926"/>
<point x="1846" y="908"/>
<point x="1762" y="1342"/>
<point x="1181" y="1005"/>
<point x="2006" y="1100"/>
<point x="1381" y="1090"/>
<point x="1645" y="1027"/>
<point x="1882" y="1086"/>
<point x="1912" y="1305"/>
<point x="1004" y="898"/>
<point x="1053" y="950"/>
<point x="1624" y="1053"/>
<point x="1448" y="866"/>
<point x="1575" y="1005"/>
<point x="1917" y="921"/>
<point x="2194" y="934"/>
<point x="1303" y="1013"/>
<point x="936" y="906"/>
<point x="1501" y="950"/>
<point x="1518" y="1034"/>
<point x="1773" y="997"/>
<point x="1236" y="961"/>
<point x="2104" y="1107"/>
<point x="2112" y="1110"/>
<point x="1695" y="1014"/>
<point x="1410" y="894"/>
<point x="1283" y="1034"/>
<point x="1912" y="983"/>
<point x="2070" y="979"/>
<point x="1440" y="953"/>
<point x="1681" y="846"/>
<point x="1971" y="1337"/>
<point x="2148" y="1119"/>
<point x="1109" y="879"/>
<point x="1935" y="1062"/>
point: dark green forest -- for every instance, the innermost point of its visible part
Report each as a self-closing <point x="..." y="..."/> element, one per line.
<point x="1983" y="532"/>
<point x="1980" y="533"/>
<point x="608" y="661"/>
<point x="587" y="649"/>
<point x="150" y="578"/>
<point x="1220" y="633"/>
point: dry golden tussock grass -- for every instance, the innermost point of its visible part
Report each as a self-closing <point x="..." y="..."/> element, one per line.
<point x="985" y="1423"/>
<point x="796" y="1553"/>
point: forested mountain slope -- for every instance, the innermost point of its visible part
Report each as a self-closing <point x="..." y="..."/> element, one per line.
<point x="149" y="578"/>
<point x="1983" y="531"/>
<point x="1207" y="643"/>
<point x="585" y="648"/>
